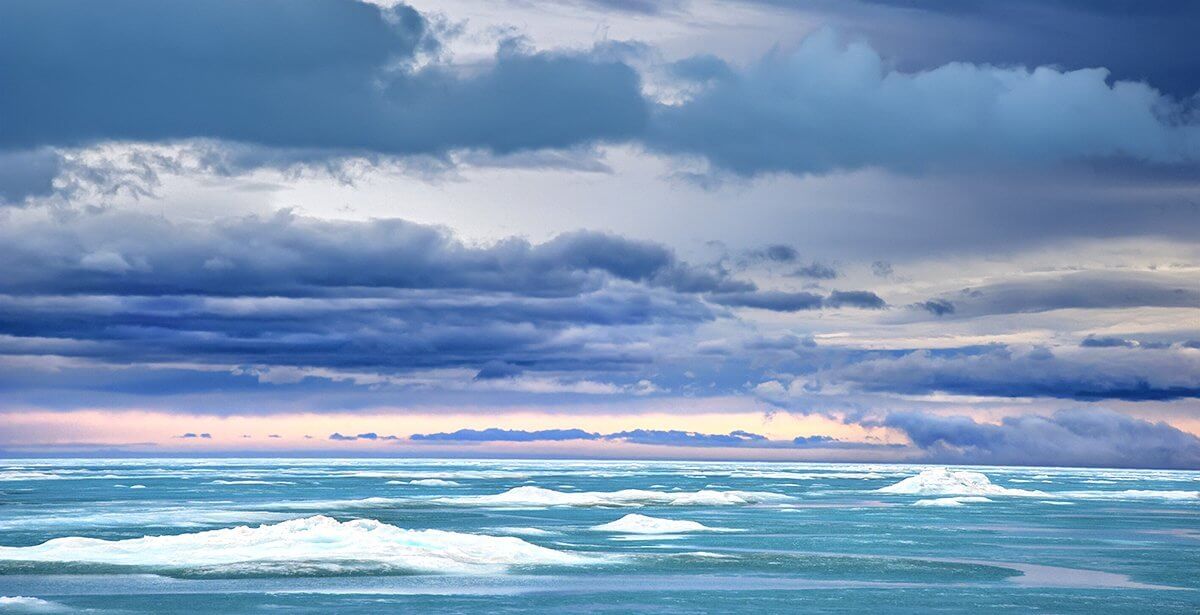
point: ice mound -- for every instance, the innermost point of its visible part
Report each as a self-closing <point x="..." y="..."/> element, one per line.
<point x="537" y="496"/>
<point x="944" y="481"/>
<point x="641" y="524"/>
<point x="312" y="543"/>
<point x="953" y="501"/>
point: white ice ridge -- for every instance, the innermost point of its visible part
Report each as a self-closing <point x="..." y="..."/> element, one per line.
<point x="944" y="481"/>
<point x="316" y="542"/>
<point x="952" y="501"/>
<point x="537" y="496"/>
<point x="641" y="524"/>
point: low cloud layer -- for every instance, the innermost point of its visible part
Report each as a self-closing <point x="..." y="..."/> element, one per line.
<point x="1069" y="437"/>
<point x="1087" y="375"/>
<point x="650" y="437"/>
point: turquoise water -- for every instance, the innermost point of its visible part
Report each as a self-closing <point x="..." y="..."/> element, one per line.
<point x="504" y="536"/>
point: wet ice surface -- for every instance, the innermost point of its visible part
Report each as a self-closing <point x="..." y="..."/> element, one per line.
<point x="309" y="535"/>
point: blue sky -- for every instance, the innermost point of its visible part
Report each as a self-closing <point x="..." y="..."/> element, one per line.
<point x="941" y="231"/>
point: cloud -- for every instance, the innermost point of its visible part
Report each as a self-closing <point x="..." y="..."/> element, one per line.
<point x="816" y="271"/>
<point x="289" y="255"/>
<point x="1092" y="341"/>
<point x="649" y="437"/>
<point x="829" y="106"/>
<point x="855" y="298"/>
<point x="937" y="307"/>
<point x="787" y="301"/>
<point x="781" y="253"/>
<point x="673" y="437"/>
<point x="28" y="173"/>
<point x="370" y="435"/>
<point x="382" y="294"/>
<point x="1136" y="40"/>
<point x="495" y="370"/>
<point x="189" y="436"/>
<point x="351" y="79"/>
<point x="774" y="300"/>
<point x="999" y="371"/>
<point x="1075" y="290"/>
<point x="331" y="75"/>
<point x="494" y="434"/>
<point x="1078" y="437"/>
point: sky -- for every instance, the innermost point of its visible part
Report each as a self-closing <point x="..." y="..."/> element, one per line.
<point x="865" y="230"/>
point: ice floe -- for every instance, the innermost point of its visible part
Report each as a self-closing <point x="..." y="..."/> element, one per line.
<point x="426" y="482"/>
<point x="529" y="496"/>
<point x="28" y="604"/>
<point x="642" y="524"/>
<point x="525" y="531"/>
<point x="1132" y="494"/>
<point x="311" y="543"/>
<point x="160" y="517"/>
<point x="250" y="482"/>
<point x="944" y="481"/>
<point x="952" y="501"/>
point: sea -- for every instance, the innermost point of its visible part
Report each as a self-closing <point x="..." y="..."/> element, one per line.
<point x="535" y="536"/>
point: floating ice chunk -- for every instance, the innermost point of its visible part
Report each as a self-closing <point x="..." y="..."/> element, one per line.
<point x="538" y="496"/>
<point x="706" y="554"/>
<point x="428" y="482"/>
<point x="641" y="524"/>
<point x="953" y="501"/>
<point x="18" y="475"/>
<point x="312" y="543"/>
<point x="525" y="531"/>
<point x="944" y="481"/>
<point x="250" y="482"/>
<point x="1132" y="494"/>
<point x="27" y="604"/>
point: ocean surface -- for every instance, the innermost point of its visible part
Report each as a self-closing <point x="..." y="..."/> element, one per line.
<point x="504" y="536"/>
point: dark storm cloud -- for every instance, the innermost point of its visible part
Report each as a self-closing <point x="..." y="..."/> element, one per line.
<point x="26" y="174"/>
<point x="829" y="106"/>
<point x="325" y="74"/>
<point x="287" y="255"/>
<point x="1088" y="374"/>
<point x="1153" y="41"/>
<point x="1081" y="290"/>
<point x="330" y="79"/>
<point x="1079" y="437"/>
<point x="384" y="294"/>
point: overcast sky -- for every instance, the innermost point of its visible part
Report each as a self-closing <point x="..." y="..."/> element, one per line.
<point x="879" y="230"/>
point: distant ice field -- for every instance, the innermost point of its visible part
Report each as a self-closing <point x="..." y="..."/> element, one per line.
<point x="430" y="536"/>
